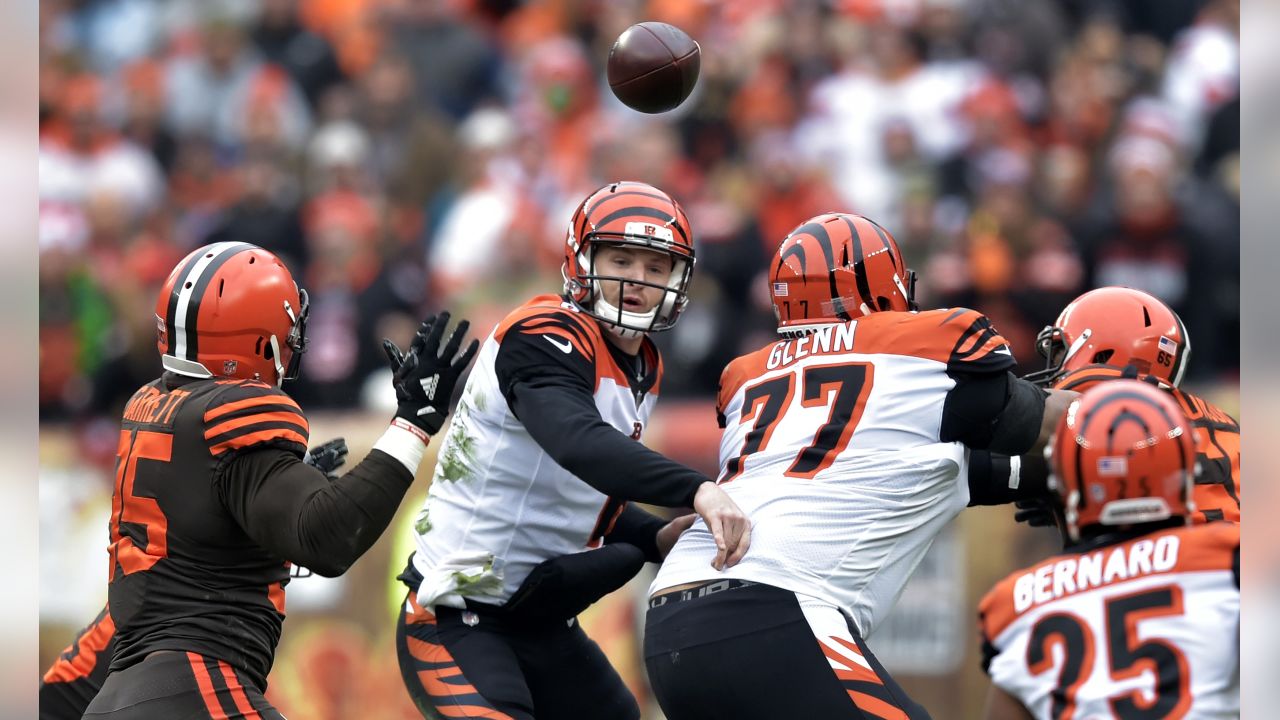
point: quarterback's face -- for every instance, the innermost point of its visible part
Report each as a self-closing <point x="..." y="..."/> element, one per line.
<point x="632" y="263"/>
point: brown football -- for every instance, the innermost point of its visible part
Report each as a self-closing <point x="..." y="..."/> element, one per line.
<point x="653" y="66"/>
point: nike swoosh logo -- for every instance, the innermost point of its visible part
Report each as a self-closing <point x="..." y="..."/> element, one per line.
<point x="562" y="345"/>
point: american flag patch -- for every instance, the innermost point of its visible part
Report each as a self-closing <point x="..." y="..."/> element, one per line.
<point x="780" y="290"/>
<point x="1113" y="466"/>
<point x="1167" y="345"/>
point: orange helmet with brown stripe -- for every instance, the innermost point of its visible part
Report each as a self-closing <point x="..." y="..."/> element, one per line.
<point x="1123" y="454"/>
<point x="232" y="309"/>
<point x="836" y="267"/>
<point x="1115" y="326"/>
<point x="633" y="214"/>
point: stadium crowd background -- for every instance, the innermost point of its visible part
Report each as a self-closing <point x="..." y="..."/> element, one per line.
<point x="409" y="155"/>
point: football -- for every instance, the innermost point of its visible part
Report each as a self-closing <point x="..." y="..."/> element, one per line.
<point x="653" y="66"/>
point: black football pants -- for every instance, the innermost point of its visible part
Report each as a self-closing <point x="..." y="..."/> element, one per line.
<point x="179" y="686"/>
<point x="457" y="663"/>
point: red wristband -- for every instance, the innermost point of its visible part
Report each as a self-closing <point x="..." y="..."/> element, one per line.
<point x="406" y="425"/>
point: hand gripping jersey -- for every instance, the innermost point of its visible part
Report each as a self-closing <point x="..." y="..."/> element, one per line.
<point x="184" y="574"/>
<point x="1146" y="628"/>
<point x="498" y="503"/>
<point x="832" y="447"/>
<point x="1217" y="440"/>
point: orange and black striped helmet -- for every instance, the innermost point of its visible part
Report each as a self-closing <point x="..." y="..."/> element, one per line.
<point x="1123" y="454"/>
<point x="639" y="215"/>
<point x="836" y="267"/>
<point x="1115" y="326"/>
<point x="232" y="309"/>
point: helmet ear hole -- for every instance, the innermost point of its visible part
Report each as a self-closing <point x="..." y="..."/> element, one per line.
<point x="265" y="349"/>
<point x="883" y="303"/>
<point x="1103" y="355"/>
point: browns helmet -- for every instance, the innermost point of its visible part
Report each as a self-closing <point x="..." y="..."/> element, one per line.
<point x="1122" y="454"/>
<point x="633" y="214"/>
<point x="836" y="267"/>
<point x="231" y="309"/>
<point x="1115" y="326"/>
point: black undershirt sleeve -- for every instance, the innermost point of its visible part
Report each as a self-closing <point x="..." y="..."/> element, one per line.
<point x="993" y="411"/>
<point x="565" y="423"/>
<point x="291" y="509"/>
<point x="637" y="527"/>
<point x="549" y="385"/>
<point x="992" y="474"/>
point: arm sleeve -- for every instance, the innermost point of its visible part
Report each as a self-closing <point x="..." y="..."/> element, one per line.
<point x="996" y="479"/>
<point x="551" y="391"/>
<point x="291" y="509"/>
<point x="993" y="411"/>
<point x="637" y="527"/>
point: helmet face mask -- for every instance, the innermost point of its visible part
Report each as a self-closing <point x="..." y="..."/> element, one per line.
<point x="1116" y="326"/>
<point x="1122" y="455"/>
<point x="631" y="215"/>
<point x="836" y="267"/>
<point x="232" y="309"/>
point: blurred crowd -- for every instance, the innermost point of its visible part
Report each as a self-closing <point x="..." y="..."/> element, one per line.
<point x="408" y="155"/>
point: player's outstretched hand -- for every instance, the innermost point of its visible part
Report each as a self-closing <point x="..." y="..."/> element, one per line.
<point x="728" y="524"/>
<point x="670" y="532"/>
<point x="425" y="376"/>
<point x="328" y="457"/>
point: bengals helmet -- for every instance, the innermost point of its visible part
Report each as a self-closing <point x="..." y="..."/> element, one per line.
<point x="1115" y="326"/>
<point x="1122" y="454"/>
<point x="836" y="267"/>
<point x="633" y="214"/>
<point x="231" y="309"/>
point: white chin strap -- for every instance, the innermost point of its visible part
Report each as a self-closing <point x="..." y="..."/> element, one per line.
<point x="628" y="323"/>
<point x="275" y="359"/>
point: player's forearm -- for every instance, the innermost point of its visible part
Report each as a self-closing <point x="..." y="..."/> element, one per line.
<point x="294" y="511"/>
<point x="637" y="527"/>
<point x="571" y="431"/>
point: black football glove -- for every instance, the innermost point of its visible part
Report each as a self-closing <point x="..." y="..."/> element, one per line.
<point x="424" y="377"/>
<point x="328" y="457"/>
<point x="1036" y="512"/>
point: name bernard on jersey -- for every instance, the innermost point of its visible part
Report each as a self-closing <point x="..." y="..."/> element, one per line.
<point x="1076" y="574"/>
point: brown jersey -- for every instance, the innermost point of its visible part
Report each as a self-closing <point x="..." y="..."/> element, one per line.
<point x="184" y="574"/>
<point x="1217" y="440"/>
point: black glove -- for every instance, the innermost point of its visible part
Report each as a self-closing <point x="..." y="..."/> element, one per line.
<point x="424" y="378"/>
<point x="562" y="587"/>
<point x="328" y="457"/>
<point x="1036" y="512"/>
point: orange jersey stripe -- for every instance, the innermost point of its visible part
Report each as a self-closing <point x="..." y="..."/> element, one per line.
<point x="238" y="695"/>
<point x="277" y="399"/>
<point x="258" y="437"/>
<point x="470" y="711"/>
<point x="87" y="647"/>
<point x="876" y="706"/>
<point x="236" y="423"/>
<point x="206" y="687"/>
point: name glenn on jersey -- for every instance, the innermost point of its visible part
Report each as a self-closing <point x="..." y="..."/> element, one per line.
<point x="832" y="338"/>
<point x="1076" y="574"/>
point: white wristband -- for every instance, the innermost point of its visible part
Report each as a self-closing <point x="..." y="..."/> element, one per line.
<point x="1015" y="471"/>
<point x="404" y="445"/>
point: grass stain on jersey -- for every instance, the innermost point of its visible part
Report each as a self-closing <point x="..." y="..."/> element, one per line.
<point x="458" y="457"/>
<point x="423" y="524"/>
<point x="472" y="583"/>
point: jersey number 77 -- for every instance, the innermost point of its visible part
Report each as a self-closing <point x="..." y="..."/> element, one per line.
<point x="768" y="401"/>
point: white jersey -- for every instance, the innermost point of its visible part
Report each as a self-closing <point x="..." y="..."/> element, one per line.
<point x="498" y="504"/>
<point x="1144" y="628"/>
<point x="831" y="446"/>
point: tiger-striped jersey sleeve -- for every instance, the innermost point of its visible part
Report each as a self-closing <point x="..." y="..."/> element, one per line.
<point x="1082" y="379"/>
<point x="538" y="341"/>
<point x="251" y="413"/>
<point x="963" y="339"/>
